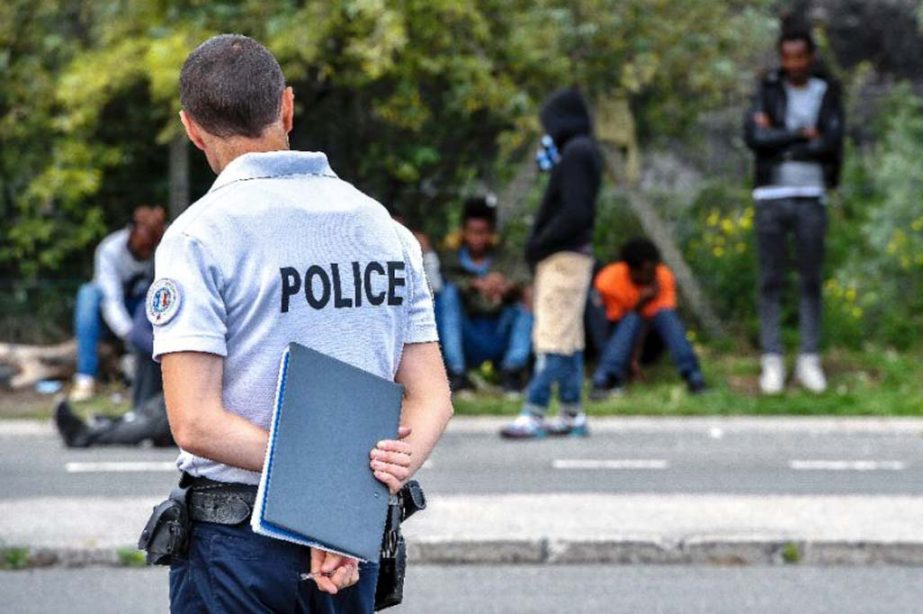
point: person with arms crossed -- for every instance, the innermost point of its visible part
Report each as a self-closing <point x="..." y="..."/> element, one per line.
<point x="795" y="129"/>
<point x="279" y="250"/>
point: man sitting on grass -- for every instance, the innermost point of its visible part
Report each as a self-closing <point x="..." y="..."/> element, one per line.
<point x="480" y="311"/>
<point x="639" y="295"/>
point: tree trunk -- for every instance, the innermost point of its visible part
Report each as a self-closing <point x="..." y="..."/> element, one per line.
<point x="179" y="175"/>
<point x="33" y="363"/>
<point x="512" y="198"/>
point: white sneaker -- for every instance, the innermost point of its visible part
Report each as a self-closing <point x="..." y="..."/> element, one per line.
<point x="83" y="389"/>
<point x="810" y="374"/>
<point x="772" y="379"/>
<point x="566" y="424"/>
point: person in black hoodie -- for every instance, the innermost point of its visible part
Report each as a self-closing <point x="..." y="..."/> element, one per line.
<point x="559" y="249"/>
<point x="795" y="129"/>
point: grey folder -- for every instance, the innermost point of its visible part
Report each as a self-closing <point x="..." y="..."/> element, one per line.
<point x="317" y="487"/>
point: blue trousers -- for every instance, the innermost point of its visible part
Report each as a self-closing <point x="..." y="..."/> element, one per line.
<point x="616" y="356"/>
<point x="232" y="569"/>
<point x="566" y="370"/>
<point x="506" y="338"/>
<point x="89" y="327"/>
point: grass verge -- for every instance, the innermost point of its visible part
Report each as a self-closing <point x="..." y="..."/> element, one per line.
<point x="874" y="382"/>
<point x="870" y="383"/>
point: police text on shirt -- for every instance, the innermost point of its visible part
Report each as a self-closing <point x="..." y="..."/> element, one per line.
<point x="345" y="286"/>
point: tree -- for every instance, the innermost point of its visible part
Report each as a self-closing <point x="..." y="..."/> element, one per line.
<point x="416" y="101"/>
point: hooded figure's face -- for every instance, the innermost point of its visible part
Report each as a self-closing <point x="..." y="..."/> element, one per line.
<point x="565" y="115"/>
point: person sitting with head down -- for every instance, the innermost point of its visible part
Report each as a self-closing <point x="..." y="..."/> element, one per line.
<point x="639" y="295"/>
<point x="122" y="272"/>
<point x="481" y="312"/>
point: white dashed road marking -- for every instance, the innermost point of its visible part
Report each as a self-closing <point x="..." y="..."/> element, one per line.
<point x="610" y="464"/>
<point x="120" y="467"/>
<point x="843" y="465"/>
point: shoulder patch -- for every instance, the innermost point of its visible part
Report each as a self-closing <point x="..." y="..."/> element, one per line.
<point x="163" y="301"/>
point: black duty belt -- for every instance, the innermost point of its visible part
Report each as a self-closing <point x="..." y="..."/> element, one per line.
<point x="220" y="502"/>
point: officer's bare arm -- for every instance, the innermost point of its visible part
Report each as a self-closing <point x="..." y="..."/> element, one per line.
<point x="426" y="410"/>
<point x="200" y="423"/>
<point x="202" y="426"/>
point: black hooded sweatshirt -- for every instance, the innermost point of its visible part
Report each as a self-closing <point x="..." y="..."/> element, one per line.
<point x="565" y="218"/>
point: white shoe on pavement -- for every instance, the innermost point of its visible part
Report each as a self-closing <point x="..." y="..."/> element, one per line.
<point x="83" y="389"/>
<point x="568" y="424"/>
<point x="810" y="374"/>
<point x="772" y="379"/>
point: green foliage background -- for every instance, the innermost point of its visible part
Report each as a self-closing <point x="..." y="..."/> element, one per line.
<point x="413" y="99"/>
<point x="419" y="102"/>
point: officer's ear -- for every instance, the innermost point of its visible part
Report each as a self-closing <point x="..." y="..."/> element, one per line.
<point x="192" y="130"/>
<point x="288" y="109"/>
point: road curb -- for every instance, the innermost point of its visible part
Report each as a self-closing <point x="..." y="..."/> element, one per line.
<point x="709" y="551"/>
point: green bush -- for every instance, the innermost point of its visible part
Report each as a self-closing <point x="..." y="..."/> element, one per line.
<point x="876" y="280"/>
<point x="716" y="235"/>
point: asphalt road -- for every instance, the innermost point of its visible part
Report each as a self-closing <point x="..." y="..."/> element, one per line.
<point x="526" y="589"/>
<point x="611" y="462"/>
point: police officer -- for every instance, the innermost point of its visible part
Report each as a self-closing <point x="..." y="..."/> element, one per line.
<point x="279" y="250"/>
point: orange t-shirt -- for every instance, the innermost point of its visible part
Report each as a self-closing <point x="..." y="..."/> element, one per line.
<point x="620" y="295"/>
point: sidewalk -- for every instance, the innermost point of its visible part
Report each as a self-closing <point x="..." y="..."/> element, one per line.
<point x="549" y="528"/>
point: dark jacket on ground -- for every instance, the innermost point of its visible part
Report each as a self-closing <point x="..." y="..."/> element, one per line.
<point x="777" y="144"/>
<point x="565" y="218"/>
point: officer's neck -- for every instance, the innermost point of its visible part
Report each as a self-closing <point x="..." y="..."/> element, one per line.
<point x="224" y="151"/>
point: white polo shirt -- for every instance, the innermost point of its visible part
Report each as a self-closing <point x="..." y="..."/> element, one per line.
<point x="281" y="250"/>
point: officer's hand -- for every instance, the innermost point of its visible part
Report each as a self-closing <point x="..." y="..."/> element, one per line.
<point x="333" y="572"/>
<point x="391" y="460"/>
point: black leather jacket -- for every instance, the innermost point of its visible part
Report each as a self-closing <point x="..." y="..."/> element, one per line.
<point x="777" y="144"/>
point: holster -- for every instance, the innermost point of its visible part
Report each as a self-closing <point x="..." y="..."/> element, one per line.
<point x="392" y="564"/>
<point x="165" y="537"/>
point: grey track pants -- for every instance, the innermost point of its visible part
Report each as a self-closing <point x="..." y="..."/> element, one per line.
<point x="803" y="221"/>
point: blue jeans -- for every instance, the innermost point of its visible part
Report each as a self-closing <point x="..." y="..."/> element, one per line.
<point x="506" y="338"/>
<point x="232" y="569"/>
<point x="566" y="370"/>
<point x="616" y="356"/>
<point x="89" y="327"/>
